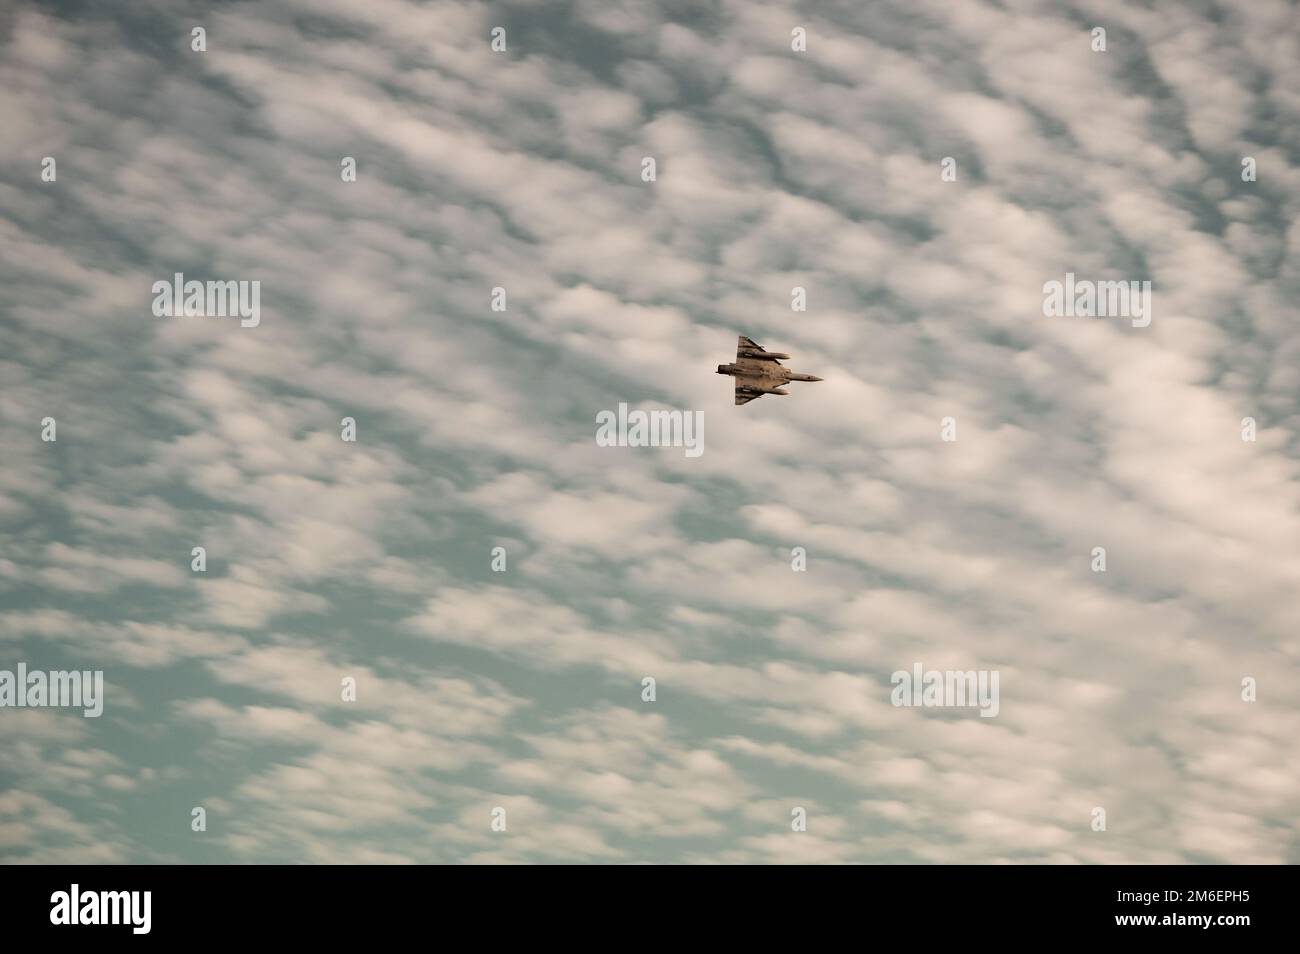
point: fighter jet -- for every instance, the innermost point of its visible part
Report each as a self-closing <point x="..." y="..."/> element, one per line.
<point x="758" y="372"/>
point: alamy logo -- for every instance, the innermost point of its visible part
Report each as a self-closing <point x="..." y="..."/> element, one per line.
<point x="103" y="907"/>
<point x="76" y="689"/>
<point x="947" y="688"/>
<point x="651" y="429"/>
<point x="209" y="300"/>
<point x="1088" y="299"/>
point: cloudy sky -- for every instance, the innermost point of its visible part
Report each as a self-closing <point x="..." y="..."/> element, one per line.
<point x="371" y="560"/>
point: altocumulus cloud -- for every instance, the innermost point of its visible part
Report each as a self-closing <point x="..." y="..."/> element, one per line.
<point x="330" y="561"/>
